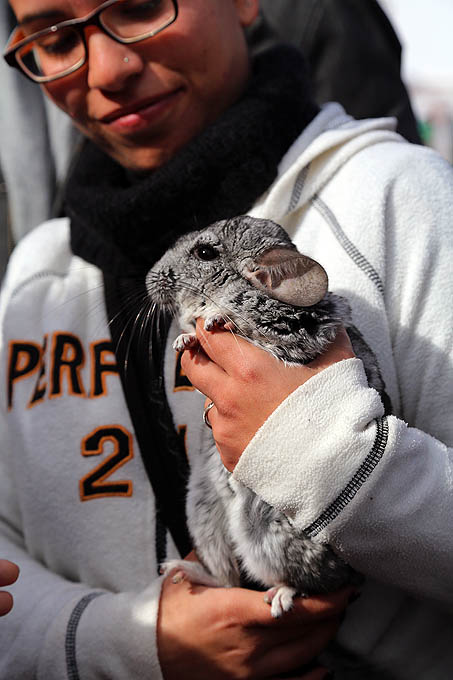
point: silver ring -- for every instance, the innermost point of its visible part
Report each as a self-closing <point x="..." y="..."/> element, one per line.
<point x="205" y="414"/>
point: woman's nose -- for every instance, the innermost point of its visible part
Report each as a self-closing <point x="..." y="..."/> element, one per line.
<point x="110" y="64"/>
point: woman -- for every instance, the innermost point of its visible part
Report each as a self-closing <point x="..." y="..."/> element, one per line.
<point x="183" y="131"/>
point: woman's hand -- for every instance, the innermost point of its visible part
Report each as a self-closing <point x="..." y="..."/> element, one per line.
<point x="229" y="633"/>
<point x="9" y="573"/>
<point x="246" y="384"/>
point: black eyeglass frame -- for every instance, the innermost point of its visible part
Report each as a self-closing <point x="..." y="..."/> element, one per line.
<point x="92" y="19"/>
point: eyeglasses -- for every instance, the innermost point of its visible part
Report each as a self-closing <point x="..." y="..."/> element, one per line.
<point x="56" y="51"/>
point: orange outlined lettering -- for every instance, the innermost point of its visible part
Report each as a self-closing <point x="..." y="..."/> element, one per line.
<point x="24" y="360"/>
<point x="41" y="386"/>
<point x="68" y="359"/>
<point x="94" y="485"/>
<point x="101" y="366"/>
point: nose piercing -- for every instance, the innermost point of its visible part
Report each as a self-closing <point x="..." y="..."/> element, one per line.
<point x="126" y="60"/>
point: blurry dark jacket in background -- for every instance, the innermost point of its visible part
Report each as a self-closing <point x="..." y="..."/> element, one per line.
<point x="353" y="52"/>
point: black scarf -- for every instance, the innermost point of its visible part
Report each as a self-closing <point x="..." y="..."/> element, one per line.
<point x="124" y="223"/>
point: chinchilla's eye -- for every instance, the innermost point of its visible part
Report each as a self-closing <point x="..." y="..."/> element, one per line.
<point x="206" y="252"/>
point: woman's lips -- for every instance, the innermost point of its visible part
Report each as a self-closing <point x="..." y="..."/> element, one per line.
<point x="141" y="114"/>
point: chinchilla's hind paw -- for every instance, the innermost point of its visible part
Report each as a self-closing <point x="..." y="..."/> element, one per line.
<point x="188" y="571"/>
<point x="185" y="341"/>
<point x="280" y="597"/>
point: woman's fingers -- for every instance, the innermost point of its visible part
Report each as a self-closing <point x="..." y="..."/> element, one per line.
<point x="246" y="384"/>
<point x="203" y="373"/>
<point x="6" y="602"/>
<point x="232" y="353"/>
<point x="300" y="651"/>
<point x="235" y="355"/>
<point x="9" y="572"/>
<point x="229" y="632"/>
<point x="8" y="575"/>
<point x="305" y="610"/>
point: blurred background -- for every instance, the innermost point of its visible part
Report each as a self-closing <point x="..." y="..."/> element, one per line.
<point x="424" y="31"/>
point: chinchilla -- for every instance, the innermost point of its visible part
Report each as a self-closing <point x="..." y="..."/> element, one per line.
<point x="245" y="274"/>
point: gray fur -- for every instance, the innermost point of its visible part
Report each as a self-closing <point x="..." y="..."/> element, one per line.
<point x="236" y="274"/>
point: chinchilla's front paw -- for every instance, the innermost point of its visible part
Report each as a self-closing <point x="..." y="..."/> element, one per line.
<point x="221" y="322"/>
<point x="280" y="597"/>
<point x="185" y="341"/>
<point x="189" y="571"/>
<point x="213" y="322"/>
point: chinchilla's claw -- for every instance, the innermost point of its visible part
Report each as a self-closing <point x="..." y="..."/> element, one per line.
<point x="280" y="597"/>
<point x="189" y="571"/>
<point x="185" y="341"/>
<point x="213" y="322"/>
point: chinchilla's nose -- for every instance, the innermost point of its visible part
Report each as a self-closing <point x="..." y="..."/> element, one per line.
<point x="161" y="286"/>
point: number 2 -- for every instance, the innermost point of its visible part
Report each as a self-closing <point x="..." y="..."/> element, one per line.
<point x="94" y="485"/>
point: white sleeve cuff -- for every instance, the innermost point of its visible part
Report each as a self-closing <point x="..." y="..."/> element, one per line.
<point x="315" y="442"/>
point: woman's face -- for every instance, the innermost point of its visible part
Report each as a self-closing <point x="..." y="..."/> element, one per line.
<point x="143" y="102"/>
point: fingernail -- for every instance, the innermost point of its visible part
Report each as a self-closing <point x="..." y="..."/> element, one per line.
<point x="178" y="577"/>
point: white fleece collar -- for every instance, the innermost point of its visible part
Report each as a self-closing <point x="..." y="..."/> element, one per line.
<point x="323" y="147"/>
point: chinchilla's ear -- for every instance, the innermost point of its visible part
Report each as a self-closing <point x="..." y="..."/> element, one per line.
<point x="290" y="277"/>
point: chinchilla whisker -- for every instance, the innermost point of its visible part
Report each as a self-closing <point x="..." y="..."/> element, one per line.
<point x="84" y="313"/>
<point x="150" y="316"/>
<point x="184" y="285"/>
<point x="137" y="300"/>
<point x="155" y="320"/>
<point x="135" y="323"/>
<point x="131" y="320"/>
<point x="224" y="311"/>
<point x="76" y="297"/>
<point x="159" y="325"/>
<point x="142" y="323"/>
<point x="92" y="309"/>
<point x="151" y="312"/>
<point x="237" y="342"/>
<point x="149" y="323"/>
